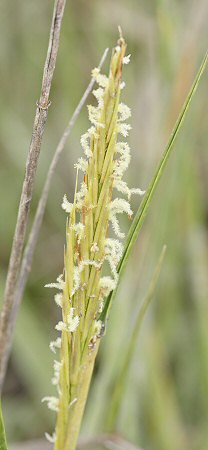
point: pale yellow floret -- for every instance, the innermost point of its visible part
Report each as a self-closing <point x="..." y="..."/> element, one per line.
<point x="102" y="80"/>
<point x="57" y="367"/>
<point x="124" y="128"/>
<point x="72" y="321"/>
<point x="124" y="112"/>
<point x="107" y="284"/>
<point x="94" y="247"/>
<point x="114" y="248"/>
<point x="94" y="116"/>
<point x="126" y="59"/>
<point x="97" y="327"/>
<point x="85" y="141"/>
<point x="70" y="324"/>
<point x="122" y="187"/>
<point x="59" y="285"/>
<point x="55" y="344"/>
<point x="119" y="206"/>
<point x="81" y="164"/>
<point x="51" y="438"/>
<point x="79" y="230"/>
<point x="66" y="205"/>
<point x="98" y="93"/>
<point x="59" y="299"/>
<point x="52" y="402"/>
<point x="116" y="228"/>
<point x="80" y="196"/>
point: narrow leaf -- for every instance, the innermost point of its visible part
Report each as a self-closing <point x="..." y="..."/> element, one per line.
<point x="130" y="350"/>
<point x="3" y="444"/>
<point x="144" y="206"/>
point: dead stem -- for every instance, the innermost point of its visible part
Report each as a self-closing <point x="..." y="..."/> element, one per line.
<point x="27" y="188"/>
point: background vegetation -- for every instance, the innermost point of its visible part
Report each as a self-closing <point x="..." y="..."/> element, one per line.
<point x="165" y="400"/>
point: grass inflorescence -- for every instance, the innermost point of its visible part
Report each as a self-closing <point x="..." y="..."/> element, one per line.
<point x="83" y="287"/>
<point x="85" y="290"/>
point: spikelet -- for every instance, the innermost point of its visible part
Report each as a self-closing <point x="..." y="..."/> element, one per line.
<point x="88" y="247"/>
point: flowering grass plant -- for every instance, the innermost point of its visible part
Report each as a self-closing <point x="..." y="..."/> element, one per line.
<point x="85" y="290"/>
<point x="83" y="287"/>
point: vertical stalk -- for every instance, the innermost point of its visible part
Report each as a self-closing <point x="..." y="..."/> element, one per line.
<point x="83" y="286"/>
<point x="76" y="411"/>
<point x="6" y="319"/>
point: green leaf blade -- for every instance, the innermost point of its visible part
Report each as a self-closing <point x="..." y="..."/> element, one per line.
<point x="121" y="378"/>
<point x="145" y="204"/>
<point x="3" y="444"/>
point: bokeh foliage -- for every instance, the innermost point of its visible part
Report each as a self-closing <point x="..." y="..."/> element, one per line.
<point x="165" y="400"/>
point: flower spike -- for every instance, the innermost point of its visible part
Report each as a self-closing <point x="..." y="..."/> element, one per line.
<point x="89" y="246"/>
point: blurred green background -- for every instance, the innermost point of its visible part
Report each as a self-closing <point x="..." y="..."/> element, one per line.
<point x="165" y="403"/>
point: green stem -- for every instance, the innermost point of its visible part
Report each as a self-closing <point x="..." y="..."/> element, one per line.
<point x="76" y="411"/>
<point x="3" y="444"/>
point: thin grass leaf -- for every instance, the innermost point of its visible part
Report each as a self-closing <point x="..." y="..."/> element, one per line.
<point x="143" y="208"/>
<point x="3" y="444"/>
<point x="121" y="377"/>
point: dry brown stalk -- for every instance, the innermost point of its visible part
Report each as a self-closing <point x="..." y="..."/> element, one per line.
<point x="27" y="188"/>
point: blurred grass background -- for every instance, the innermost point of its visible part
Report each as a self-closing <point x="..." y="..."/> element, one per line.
<point x="165" y="404"/>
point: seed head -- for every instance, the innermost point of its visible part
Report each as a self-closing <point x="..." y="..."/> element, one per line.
<point x="89" y="248"/>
